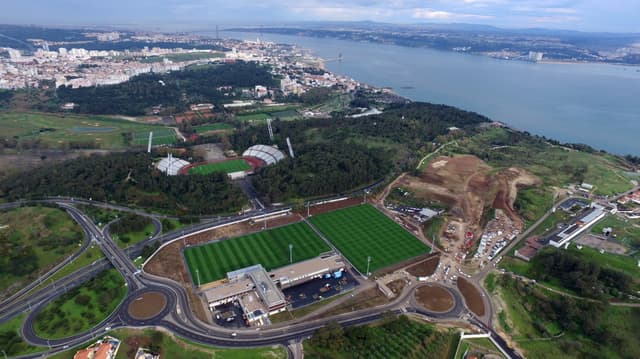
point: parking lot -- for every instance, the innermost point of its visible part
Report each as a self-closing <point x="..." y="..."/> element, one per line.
<point x="318" y="289"/>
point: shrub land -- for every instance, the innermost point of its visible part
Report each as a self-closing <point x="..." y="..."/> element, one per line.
<point x="363" y="231"/>
<point x="33" y="239"/>
<point x="269" y="248"/>
<point x="394" y="338"/>
<point x="81" y="308"/>
<point x="548" y="325"/>
<point x="226" y="167"/>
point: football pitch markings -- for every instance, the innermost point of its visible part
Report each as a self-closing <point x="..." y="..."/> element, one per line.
<point x="362" y="231"/>
<point x="226" y="166"/>
<point x="269" y="248"/>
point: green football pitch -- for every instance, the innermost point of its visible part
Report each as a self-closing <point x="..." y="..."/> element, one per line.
<point x="269" y="248"/>
<point x="226" y="166"/>
<point x="362" y="231"/>
<point x="161" y="136"/>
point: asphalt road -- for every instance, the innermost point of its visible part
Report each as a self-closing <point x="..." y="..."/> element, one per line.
<point x="182" y="323"/>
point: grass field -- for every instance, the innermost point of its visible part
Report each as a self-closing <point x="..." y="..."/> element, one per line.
<point x="269" y="248"/>
<point x="32" y="240"/>
<point x="161" y="136"/>
<point x="625" y="264"/>
<point x="626" y="231"/>
<point x="82" y="307"/>
<point x="259" y="116"/>
<point x="11" y="342"/>
<point x="363" y="231"/>
<point x="226" y="166"/>
<point x="63" y="131"/>
<point x="213" y="127"/>
<point x="555" y="165"/>
<point x="619" y="324"/>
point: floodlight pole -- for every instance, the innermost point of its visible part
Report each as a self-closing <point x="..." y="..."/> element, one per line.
<point x="5" y="354"/>
<point x="368" y="263"/>
<point x="308" y="205"/>
<point x="198" y="275"/>
<point x="290" y="253"/>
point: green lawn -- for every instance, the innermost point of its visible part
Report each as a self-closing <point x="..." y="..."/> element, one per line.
<point x="10" y="340"/>
<point x="269" y="248"/>
<point x="619" y="325"/>
<point x="226" y="166"/>
<point x="363" y="231"/>
<point x="161" y="136"/>
<point x="169" y="346"/>
<point x="63" y="131"/>
<point x="556" y="166"/>
<point x="259" y="116"/>
<point x="626" y="231"/>
<point x="213" y="127"/>
<point x="32" y="241"/>
<point x="131" y="238"/>
<point x="92" y="254"/>
<point x="81" y="308"/>
<point x="625" y="264"/>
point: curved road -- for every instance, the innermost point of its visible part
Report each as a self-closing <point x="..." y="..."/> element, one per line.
<point x="176" y="316"/>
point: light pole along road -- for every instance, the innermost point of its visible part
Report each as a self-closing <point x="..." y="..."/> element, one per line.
<point x="182" y="323"/>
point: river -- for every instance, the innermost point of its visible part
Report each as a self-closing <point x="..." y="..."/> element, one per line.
<point x="596" y="104"/>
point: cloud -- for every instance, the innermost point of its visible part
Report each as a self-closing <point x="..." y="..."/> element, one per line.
<point x="431" y="14"/>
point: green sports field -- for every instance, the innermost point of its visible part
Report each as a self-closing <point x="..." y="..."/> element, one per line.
<point x="226" y="166"/>
<point x="269" y="248"/>
<point x="363" y="231"/>
<point x="213" y="127"/>
<point x="161" y="136"/>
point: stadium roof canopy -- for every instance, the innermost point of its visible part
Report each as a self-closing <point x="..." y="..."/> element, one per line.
<point x="170" y="165"/>
<point x="268" y="154"/>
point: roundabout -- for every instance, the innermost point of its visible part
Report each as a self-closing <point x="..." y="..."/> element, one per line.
<point x="435" y="298"/>
<point x="147" y="305"/>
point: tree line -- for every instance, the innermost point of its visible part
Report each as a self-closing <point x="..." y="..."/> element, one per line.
<point x="333" y="155"/>
<point x="587" y="278"/>
<point x="128" y="178"/>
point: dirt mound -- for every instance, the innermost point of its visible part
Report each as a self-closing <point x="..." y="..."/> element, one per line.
<point x="424" y="268"/>
<point x="435" y="298"/>
<point x="472" y="296"/>
<point x="147" y="305"/>
<point x="468" y="186"/>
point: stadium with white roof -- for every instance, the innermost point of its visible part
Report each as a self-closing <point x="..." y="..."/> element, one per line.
<point x="269" y="155"/>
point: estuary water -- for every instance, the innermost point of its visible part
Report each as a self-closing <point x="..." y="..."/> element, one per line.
<point x="596" y="104"/>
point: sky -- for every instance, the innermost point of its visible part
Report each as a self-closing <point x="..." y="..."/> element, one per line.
<point x="582" y="15"/>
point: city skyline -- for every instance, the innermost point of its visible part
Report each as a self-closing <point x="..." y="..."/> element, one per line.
<point x="580" y="15"/>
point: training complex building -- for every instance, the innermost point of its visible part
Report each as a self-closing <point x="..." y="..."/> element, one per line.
<point x="259" y="293"/>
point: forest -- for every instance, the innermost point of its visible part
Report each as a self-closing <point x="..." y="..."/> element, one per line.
<point x="586" y="278"/>
<point x="339" y="154"/>
<point x="174" y="90"/>
<point x="321" y="170"/>
<point x="127" y="178"/>
<point x="393" y="338"/>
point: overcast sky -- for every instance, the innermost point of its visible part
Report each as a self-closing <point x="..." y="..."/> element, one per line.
<point x="585" y="15"/>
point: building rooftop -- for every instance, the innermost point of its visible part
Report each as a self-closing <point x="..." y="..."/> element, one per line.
<point x="309" y="267"/>
<point x="268" y="154"/>
<point x="232" y="288"/>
